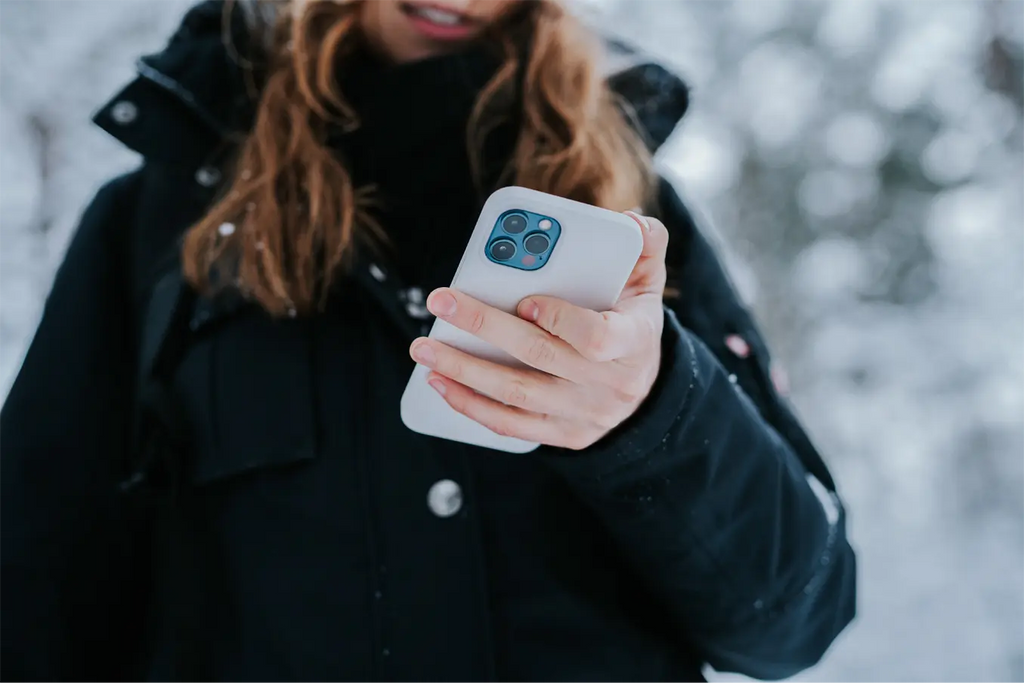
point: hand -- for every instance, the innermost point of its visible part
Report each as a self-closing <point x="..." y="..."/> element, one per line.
<point x="588" y="371"/>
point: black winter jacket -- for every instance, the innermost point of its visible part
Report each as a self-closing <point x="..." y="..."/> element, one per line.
<point x="287" y="526"/>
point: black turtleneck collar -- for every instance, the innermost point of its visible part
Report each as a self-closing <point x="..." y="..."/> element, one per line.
<point x="412" y="117"/>
<point x="374" y="85"/>
<point x="410" y="147"/>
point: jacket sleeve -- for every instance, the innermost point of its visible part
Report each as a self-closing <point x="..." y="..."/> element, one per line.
<point x="715" y="493"/>
<point x="67" y="539"/>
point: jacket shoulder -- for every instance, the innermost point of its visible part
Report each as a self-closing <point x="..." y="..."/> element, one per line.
<point x="139" y="218"/>
<point x="119" y="189"/>
<point x="109" y="216"/>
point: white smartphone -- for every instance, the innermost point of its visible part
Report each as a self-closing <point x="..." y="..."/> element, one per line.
<point x="525" y="242"/>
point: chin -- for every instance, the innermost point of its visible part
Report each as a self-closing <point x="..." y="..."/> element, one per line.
<point x="407" y="54"/>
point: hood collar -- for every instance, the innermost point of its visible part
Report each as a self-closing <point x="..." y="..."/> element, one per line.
<point x="195" y="98"/>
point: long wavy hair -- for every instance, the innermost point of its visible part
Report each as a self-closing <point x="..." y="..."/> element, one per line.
<point x="297" y="215"/>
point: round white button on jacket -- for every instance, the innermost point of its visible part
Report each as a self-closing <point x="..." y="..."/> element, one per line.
<point x="445" y="498"/>
<point x="208" y="176"/>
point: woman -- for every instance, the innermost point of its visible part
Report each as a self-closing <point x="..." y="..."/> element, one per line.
<point x="231" y="331"/>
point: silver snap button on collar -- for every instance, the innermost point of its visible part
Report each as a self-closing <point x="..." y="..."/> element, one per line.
<point x="124" y="112"/>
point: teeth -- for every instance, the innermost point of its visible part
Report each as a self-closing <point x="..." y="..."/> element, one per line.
<point x="438" y="16"/>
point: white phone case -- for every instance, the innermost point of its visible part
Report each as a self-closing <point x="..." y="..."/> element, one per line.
<point x="589" y="266"/>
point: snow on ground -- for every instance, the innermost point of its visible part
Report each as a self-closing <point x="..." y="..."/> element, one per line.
<point x="861" y="166"/>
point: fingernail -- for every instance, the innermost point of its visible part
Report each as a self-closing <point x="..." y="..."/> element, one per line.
<point x="438" y="386"/>
<point x="641" y="220"/>
<point x="441" y="304"/>
<point x="529" y="310"/>
<point x="422" y="353"/>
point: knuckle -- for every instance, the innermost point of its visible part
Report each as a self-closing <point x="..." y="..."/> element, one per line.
<point x="578" y="440"/>
<point x="515" y="394"/>
<point x="540" y="352"/>
<point x="454" y="369"/>
<point x="501" y="428"/>
<point x="661" y="272"/>
<point x="555" y="319"/>
<point x="630" y="387"/>
<point x="597" y="344"/>
<point x="658" y="228"/>
<point x="627" y="395"/>
<point x="607" y="419"/>
<point x="476" y="321"/>
<point x="653" y="329"/>
<point x="458" y="403"/>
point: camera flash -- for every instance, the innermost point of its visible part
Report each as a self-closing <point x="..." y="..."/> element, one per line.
<point x="545" y="224"/>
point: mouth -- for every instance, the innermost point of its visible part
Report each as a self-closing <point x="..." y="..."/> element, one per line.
<point x="437" y="22"/>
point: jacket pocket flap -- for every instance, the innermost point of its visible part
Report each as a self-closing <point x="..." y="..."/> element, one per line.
<point x="259" y="408"/>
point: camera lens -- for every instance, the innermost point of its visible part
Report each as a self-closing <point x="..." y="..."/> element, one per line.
<point x="502" y="249"/>
<point x="537" y="244"/>
<point x="514" y="224"/>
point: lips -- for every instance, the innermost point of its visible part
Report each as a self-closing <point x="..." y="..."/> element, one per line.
<point x="435" y="14"/>
<point x="437" y="22"/>
<point x="441" y="17"/>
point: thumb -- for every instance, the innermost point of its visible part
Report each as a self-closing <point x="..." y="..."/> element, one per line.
<point x="648" y="276"/>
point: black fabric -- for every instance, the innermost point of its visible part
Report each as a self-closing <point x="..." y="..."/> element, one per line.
<point x="411" y="148"/>
<point x="291" y="537"/>
<point x="75" y="567"/>
<point x="158" y="474"/>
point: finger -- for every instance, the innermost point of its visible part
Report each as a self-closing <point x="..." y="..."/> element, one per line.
<point x="649" y="272"/>
<point x="648" y="312"/>
<point x="506" y="420"/>
<point x="527" y="389"/>
<point x="511" y="334"/>
<point x="598" y="337"/>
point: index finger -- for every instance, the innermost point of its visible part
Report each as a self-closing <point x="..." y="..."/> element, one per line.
<point x="521" y="339"/>
<point x="598" y="337"/>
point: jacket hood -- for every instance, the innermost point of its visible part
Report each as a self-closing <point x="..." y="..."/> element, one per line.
<point x="193" y="99"/>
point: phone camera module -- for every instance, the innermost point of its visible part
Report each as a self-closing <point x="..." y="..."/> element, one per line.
<point x="502" y="249"/>
<point x="514" y="223"/>
<point x="537" y="243"/>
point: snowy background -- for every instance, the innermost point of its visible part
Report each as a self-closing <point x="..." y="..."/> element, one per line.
<point x="861" y="163"/>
